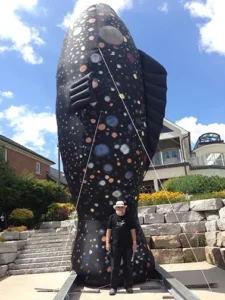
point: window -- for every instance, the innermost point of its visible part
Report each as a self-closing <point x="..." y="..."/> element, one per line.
<point x="38" y="168"/>
<point x="216" y="159"/>
<point x="157" y="161"/>
<point x="171" y="157"/>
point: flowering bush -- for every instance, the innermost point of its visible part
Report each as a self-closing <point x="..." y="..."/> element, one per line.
<point x="220" y="194"/>
<point x="162" y="197"/>
<point x="21" y="215"/>
<point x="19" y="228"/>
<point x="58" y="212"/>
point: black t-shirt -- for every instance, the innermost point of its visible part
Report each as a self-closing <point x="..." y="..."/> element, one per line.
<point x="121" y="227"/>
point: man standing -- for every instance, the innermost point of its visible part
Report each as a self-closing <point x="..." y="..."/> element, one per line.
<point x="122" y="229"/>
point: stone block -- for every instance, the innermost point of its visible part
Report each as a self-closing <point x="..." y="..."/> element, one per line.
<point x="183" y="217"/>
<point x="10" y="235"/>
<point x="221" y="224"/>
<point x="212" y="215"/>
<point x="24" y="235"/>
<point x="223" y="201"/>
<point x="153" y="218"/>
<point x="206" y="205"/>
<point x="214" y="256"/>
<point x="141" y="219"/>
<point x="21" y="244"/>
<point x="192" y="240"/>
<point x="68" y="223"/>
<point x="222" y="213"/>
<point x="168" y="256"/>
<point x="6" y="258"/>
<point x="211" y="225"/>
<point x="53" y="224"/>
<point x="144" y="210"/>
<point x="222" y="250"/>
<point x="166" y="208"/>
<point x="194" y="254"/>
<point x="8" y="247"/>
<point x="211" y="238"/>
<point x="148" y="240"/>
<point x="165" y="242"/>
<point x="193" y="227"/>
<point x="161" y="229"/>
<point x="3" y="270"/>
<point x="220" y="239"/>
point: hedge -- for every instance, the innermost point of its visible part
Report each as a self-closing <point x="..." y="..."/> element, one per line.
<point x="25" y="191"/>
<point x="195" y="184"/>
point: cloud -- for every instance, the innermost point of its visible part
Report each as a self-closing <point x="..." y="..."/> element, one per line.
<point x="16" y="34"/>
<point x="81" y="5"/>
<point x="164" y="7"/>
<point x="30" y="128"/>
<point x="196" y="129"/>
<point x="6" y="94"/>
<point x="212" y="37"/>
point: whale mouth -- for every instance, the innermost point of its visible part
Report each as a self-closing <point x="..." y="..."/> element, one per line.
<point x="82" y="92"/>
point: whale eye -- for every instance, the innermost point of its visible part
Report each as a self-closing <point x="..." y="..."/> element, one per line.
<point x="111" y="35"/>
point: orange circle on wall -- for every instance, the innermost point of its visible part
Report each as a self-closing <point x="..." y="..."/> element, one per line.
<point x="88" y="140"/>
<point x="101" y="127"/>
<point x="114" y="135"/>
<point x="83" y="68"/>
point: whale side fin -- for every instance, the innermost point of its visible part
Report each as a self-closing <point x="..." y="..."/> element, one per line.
<point x="155" y="89"/>
<point x="81" y="93"/>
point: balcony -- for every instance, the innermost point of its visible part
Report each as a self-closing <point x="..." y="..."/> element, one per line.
<point x="208" y="161"/>
<point x="167" y="157"/>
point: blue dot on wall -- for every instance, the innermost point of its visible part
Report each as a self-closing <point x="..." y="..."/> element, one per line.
<point x="101" y="150"/>
<point x="108" y="168"/>
<point x="112" y="121"/>
<point x="129" y="175"/>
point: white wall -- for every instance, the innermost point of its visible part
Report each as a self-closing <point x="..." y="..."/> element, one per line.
<point x="165" y="173"/>
<point x="209" y="172"/>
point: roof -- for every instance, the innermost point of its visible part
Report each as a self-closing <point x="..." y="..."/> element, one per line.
<point x="11" y="142"/>
<point x="54" y="174"/>
<point x="207" y="139"/>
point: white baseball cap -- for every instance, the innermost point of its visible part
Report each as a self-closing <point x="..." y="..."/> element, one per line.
<point x="119" y="204"/>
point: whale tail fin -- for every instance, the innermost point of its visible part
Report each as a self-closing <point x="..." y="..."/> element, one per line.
<point x="155" y="88"/>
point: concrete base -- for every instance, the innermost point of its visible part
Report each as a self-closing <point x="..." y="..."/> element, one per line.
<point x="189" y="273"/>
<point x="22" y="287"/>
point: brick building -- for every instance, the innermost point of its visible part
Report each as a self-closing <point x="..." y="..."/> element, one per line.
<point x="21" y="158"/>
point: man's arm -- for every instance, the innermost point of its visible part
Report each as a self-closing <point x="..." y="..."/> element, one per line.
<point x="134" y="236"/>
<point x="108" y="237"/>
<point x="108" y="233"/>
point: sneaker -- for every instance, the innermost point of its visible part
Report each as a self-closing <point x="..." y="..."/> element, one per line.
<point x="112" y="292"/>
<point x="129" y="290"/>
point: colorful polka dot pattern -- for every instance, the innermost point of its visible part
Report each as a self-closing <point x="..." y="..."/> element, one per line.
<point x="117" y="162"/>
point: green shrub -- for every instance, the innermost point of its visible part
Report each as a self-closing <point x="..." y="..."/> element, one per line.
<point x="58" y="212"/>
<point x="18" y="228"/>
<point x="25" y="191"/>
<point x="2" y="239"/>
<point x="195" y="184"/>
<point x="21" y="215"/>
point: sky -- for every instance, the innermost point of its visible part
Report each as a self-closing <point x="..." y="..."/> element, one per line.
<point x="185" y="36"/>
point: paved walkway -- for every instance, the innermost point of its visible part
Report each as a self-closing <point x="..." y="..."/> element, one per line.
<point x="22" y="287"/>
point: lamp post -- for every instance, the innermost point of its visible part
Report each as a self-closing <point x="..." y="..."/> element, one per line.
<point x="3" y="218"/>
<point x="59" y="173"/>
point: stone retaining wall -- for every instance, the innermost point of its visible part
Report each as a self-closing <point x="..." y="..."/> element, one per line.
<point x="194" y="216"/>
<point x="13" y="243"/>
<point x="198" y="224"/>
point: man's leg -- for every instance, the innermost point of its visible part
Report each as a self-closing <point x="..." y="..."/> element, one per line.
<point x="115" y="266"/>
<point x="128" y="268"/>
